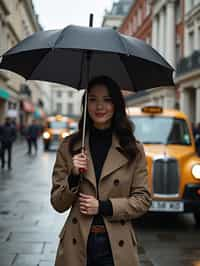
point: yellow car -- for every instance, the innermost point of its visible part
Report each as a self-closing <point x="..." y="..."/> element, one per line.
<point x="56" y="129"/>
<point x="173" y="164"/>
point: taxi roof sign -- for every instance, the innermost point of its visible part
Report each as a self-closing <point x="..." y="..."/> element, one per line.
<point x="152" y="109"/>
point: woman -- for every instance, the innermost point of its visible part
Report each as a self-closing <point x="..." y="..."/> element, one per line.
<point x="98" y="230"/>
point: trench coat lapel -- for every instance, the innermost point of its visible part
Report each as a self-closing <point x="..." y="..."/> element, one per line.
<point x="90" y="174"/>
<point x="114" y="160"/>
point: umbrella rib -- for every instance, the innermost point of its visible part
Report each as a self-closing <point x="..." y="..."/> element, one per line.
<point x="124" y="45"/>
<point x="81" y="71"/>
<point x="40" y="62"/>
<point x="50" y="49"/>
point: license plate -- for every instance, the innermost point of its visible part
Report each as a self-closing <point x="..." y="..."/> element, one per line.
<point x="167" y="206"/>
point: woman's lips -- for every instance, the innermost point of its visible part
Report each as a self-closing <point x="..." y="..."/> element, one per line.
<point x="100" y="114"/>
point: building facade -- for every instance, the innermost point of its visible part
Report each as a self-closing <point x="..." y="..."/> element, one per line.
<point x="172" y="27"/>
<point x="115" y="16"/>
<point x="19" y="99"/>
<point x="188" y="67"/>
<point x="65" y="100"/>
<point x="140" y="23"/>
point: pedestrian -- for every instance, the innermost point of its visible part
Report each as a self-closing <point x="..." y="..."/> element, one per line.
<point x="113" y="189"/>
<point x="7" y="137"/>
<point x="32" y="135"/>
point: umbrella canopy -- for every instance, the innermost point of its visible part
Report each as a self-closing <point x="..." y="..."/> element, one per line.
<point x="62" y="56"/>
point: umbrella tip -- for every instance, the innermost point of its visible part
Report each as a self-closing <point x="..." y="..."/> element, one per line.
<point x="91" y="20"/>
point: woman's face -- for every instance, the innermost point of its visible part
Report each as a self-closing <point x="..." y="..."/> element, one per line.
<point x="100" y="106"/>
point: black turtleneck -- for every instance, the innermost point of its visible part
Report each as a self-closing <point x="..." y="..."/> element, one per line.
<point x="100" y="141"/>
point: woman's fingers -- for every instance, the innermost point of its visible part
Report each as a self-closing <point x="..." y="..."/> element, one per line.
<point x="85" y="196"/>
<point x="80" y="161"/>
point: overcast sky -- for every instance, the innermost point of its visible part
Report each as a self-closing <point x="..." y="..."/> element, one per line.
<point x="55" y="14"/>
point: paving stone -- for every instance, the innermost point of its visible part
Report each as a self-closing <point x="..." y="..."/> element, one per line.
<point x="17" y="247"/>
<point x="6" y="259"/>
<point x="27" y="259"/>
<point x="32" y="237"/>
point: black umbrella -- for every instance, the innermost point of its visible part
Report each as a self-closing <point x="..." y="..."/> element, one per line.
<point x="76" y="54"/>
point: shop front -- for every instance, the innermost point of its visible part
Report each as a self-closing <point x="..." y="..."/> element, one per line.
<point x="4" y="96"/>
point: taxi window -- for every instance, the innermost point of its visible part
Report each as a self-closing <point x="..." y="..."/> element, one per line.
<point x="161" y="130"/>
<point x="57" y="124"/>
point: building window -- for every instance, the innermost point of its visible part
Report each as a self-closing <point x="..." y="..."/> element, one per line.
<point x="59" y="94"/>
<point x="130" y="28"/>
<point x="191" y="42"/>
<point x="70" y="108"/>
<point x="189" y="4"/>
<point x="148" y="40"/>
<point x="148" y="7"/>
<point x="70" y="94"/>
<point x="59" y="108"/>
<point x="178" y="52"/>
<point x="139" y="16"/>
<point x="178" y="11"/>
<point x="199" y="38"/>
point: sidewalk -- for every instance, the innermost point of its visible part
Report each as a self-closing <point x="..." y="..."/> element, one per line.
<point x="29" y="227"/>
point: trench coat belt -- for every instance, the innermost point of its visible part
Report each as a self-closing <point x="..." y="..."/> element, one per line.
<point x="98" y="229"/>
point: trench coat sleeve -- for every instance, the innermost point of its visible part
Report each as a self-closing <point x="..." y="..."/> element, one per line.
<point x="139" y="199"/>
<point x="62" y="197"/>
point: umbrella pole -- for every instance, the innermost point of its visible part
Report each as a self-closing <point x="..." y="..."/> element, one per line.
<point x="84" y="122"/>
<point x="88" y="55"/>
<point x="82" y="170"/>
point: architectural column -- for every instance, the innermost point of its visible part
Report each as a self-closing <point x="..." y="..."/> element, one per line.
<point x="170" y="33"/>
<point x="197" y="111"/>
<point x="186" y="43"/>
<point x="183" y="100"/>
<point x="155" y="32"/>
<point x="196" y="35"/>
<point x="161" y="40"/>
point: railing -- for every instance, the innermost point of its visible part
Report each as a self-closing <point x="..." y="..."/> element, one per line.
<point x="188" y="64"/>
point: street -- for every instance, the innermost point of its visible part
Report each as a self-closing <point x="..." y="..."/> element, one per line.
<point x="29" y="226"/>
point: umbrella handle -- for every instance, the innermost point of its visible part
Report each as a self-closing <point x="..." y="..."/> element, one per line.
<point x="82" y="170"/>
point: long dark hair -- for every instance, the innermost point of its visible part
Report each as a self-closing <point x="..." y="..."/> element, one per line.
<point x="122" y="127"/>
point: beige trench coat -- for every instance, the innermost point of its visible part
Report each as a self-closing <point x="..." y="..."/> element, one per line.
<point x="124" y="184"/>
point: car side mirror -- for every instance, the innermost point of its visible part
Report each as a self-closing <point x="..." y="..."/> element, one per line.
<point x="197" y="146"/>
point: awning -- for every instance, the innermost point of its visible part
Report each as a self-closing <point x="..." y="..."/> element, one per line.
<point x="4" y="94"/>
<point x="28" y="107"/>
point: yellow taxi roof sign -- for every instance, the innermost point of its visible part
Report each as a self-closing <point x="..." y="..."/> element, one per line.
<point x="152" y="109"/>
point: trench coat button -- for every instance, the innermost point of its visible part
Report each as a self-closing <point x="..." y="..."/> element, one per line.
<point x="121" y="243"/>
<point x="122" y="222"/>
<point x="74" y="220"/>
<point x="116" y="182"/>
<point x="74" y="241"/>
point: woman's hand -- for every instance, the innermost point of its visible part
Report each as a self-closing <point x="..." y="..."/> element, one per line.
<point x="80" y="160"/>
<point x="89" y="205"/>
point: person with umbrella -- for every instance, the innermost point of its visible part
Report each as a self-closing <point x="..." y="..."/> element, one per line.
<point x="113" y="189"/>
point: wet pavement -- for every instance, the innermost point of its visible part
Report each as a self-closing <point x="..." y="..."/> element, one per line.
<point x="29" y="227"/>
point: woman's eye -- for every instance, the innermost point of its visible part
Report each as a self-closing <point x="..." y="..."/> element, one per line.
<point x="108" y="100"/>
<point x="92" y="99"/>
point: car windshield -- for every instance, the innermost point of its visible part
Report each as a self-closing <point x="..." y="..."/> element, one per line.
<point x="161" y="130"/>
<point x="57" y="124"/>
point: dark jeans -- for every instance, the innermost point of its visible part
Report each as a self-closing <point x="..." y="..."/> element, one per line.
<point x="32" y="142"/>
<point x="98" y="250"/>
<point x="6" y="147"/>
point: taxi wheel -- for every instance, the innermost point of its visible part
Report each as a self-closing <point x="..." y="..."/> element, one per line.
<point x="197" y="218"/>
<point x="46" y="147"/>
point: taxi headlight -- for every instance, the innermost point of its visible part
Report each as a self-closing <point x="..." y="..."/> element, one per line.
<point x="196" y="171"/>
<point x="46" y="135"/>
<point x="65" y="134"/>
